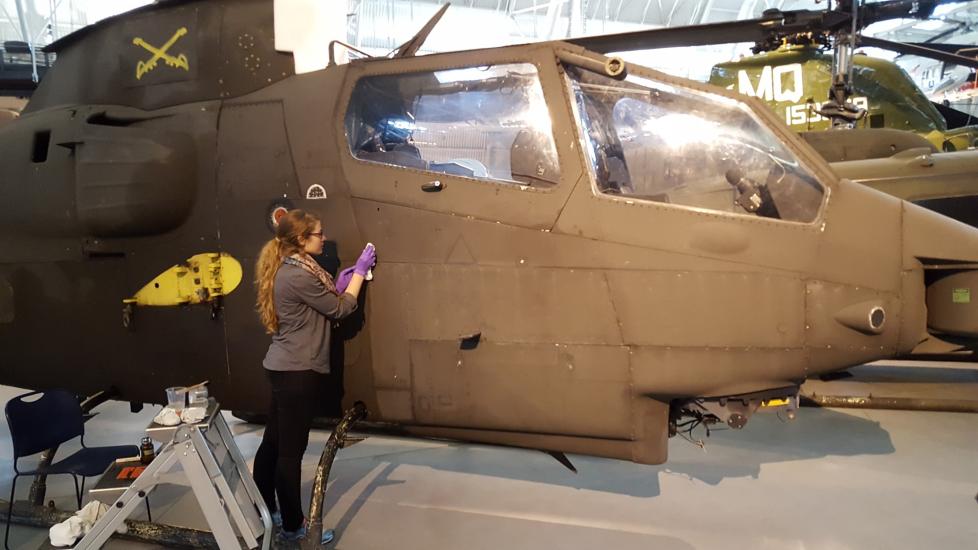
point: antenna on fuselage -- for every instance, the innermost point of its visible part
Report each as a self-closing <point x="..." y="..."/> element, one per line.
<point x="409" y="48"/>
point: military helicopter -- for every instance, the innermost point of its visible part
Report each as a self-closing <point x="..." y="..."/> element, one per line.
<point x="795" y="81"/>
<point x="576" y="254"/>
<point x="936" y="78"/>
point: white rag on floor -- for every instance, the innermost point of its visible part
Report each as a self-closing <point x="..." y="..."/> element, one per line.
<point x="78" y="525"/>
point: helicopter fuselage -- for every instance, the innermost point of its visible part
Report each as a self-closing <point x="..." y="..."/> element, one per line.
<point x="515" y="301"/>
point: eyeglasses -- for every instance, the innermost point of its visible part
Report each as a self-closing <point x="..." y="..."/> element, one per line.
<point x="318" y="234"/>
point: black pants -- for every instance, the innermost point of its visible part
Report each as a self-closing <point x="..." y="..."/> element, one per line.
<point x="278" y="462"/>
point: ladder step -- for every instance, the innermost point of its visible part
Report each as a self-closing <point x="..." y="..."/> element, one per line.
<point x="116" y="479"/>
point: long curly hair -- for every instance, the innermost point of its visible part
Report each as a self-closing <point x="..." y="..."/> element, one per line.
<point x="293" y="225"/>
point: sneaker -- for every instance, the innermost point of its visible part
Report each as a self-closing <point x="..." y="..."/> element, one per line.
<point x="277" y="518"/>
<point x="328" y="536"/>
<point x="298" y="534"/>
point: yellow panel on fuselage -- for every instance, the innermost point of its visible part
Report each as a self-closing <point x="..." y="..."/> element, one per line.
<point x="201" y="279"/>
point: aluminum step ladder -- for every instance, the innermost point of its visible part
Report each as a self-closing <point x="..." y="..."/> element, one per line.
<point x="218" y="476"/>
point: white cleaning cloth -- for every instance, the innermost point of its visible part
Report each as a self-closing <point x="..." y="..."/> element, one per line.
<point x="167" y="417"/>
<point x="78" y="525"/>
<point x="193" y="414"/>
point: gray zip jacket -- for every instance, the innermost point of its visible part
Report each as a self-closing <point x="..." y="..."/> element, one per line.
<point x="305" y="309"/>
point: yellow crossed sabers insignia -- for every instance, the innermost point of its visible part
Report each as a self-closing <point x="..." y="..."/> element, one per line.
<point x="179" y="61"/>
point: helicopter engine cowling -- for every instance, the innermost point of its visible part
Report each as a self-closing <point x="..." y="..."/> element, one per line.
<point x="113" y="176"/>
<point x="951" y="310"/>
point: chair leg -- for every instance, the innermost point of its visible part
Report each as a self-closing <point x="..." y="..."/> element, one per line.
<point x="10" y="511"/>
<point x="77" y="492"/>
<point x="149" y="515"/>
<point x="81" y="495"/>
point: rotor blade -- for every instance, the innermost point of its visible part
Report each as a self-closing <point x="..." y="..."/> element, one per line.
<point x="910" y="49"/>
<point x="897" y="9"/>
<point x="774" y="24"/>
<point x="960" y="49"/>
<point x="748" y="30"/>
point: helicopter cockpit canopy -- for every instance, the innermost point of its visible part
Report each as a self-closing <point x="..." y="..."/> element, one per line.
<point x="653" y="141"/>
<point x="486" y="122"/>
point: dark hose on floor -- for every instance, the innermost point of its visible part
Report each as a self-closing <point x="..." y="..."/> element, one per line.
<point x="169" y="536"/>
<point x="336" y="439"/>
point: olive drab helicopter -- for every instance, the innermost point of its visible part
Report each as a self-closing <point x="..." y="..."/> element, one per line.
<point x="576" y="254"/>
<point x="795" y="80"/>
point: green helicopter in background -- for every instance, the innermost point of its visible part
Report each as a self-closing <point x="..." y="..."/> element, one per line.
<point x="795" y="80"/>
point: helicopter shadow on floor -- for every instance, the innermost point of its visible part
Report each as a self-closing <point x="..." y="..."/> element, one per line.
<point x="377" y="474"/>
<point x="816" y="433"/>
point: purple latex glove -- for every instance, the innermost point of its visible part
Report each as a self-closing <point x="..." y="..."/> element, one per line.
<point x="343" y="279"/>
<point x="366" y="260"/>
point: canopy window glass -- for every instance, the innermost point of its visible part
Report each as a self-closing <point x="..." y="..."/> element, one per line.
<point x="487" y="122"/>
<point x="652" y="141"/>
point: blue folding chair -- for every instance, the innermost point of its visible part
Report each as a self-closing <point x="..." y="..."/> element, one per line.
<point x="46" y="422"/>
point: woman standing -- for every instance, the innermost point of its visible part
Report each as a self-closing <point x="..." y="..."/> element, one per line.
<point x="297" y="301"/>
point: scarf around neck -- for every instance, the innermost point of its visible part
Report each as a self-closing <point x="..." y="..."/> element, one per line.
<point x="310" y="266"/>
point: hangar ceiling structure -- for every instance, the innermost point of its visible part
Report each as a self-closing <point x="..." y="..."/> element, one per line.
<point x="379" y="26"/>
<point x="550" y="19"/>
<point x="386" y="23"/>
<point x="533" y="19"/>
<point x="48" y="20"/>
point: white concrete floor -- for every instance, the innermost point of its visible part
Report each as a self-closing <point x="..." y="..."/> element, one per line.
<point x="831" y="479"/>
